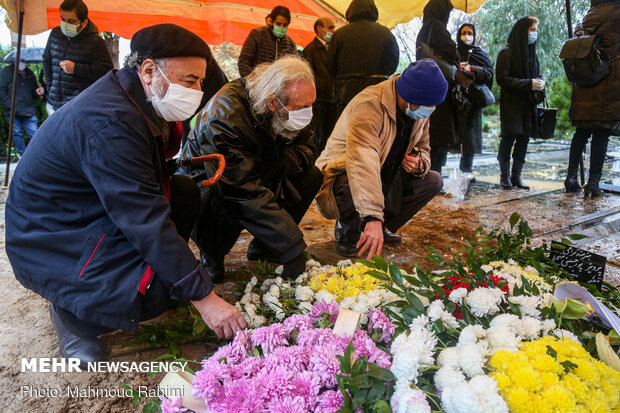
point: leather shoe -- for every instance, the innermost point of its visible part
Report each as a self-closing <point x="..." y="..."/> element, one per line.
<point x="87" y="349"/>
<point x="258" y="252"/>
<point x="346" y="249"/>
<point x="391" y="238"/>
<point x="213" y="267"/>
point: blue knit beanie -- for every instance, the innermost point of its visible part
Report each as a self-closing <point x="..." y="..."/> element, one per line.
<point x="422" y="83"/>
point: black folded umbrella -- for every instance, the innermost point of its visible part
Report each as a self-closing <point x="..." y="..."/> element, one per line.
<point x="28" y="55"/>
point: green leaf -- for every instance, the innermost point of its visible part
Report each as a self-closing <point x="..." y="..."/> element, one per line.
<point x="422" y="277"/>
<point x="577" y="237"/>
<point x="360" y="396"/>
<point x="440" y="292"/>
<point x="396" y="275"/>
<point x="345" y="364"/>
<point x="514" y="218"/>
<point x="382" y="407"/>
<point x="359" y="367"/>
<point x="412" y="280"/>
<point x="380" y="373"/>
<point x="380" y="263"/>
<point x="379" y="275"/>
<point x="552" y="352"/>
<point x="414" y="302"/>
<point x="375" y="393"/>
<point x="151" y="407"/>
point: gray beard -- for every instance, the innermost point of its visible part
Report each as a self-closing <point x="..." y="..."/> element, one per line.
<point x="157" y="87"/>
<point x="277" y="125"/>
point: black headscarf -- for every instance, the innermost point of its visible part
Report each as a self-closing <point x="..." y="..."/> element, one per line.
<point x="362" y="10"/>
<point x="472" y="53"/>
<point x="436" y="15"/>
<point x="524" y="60"/>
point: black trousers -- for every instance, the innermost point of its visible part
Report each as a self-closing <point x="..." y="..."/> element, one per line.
<point x="217" y="230"/>
<point x="323" y="122"/>
<point x="506" y="146"/>
<point x="598" y="149"/>
<point x="438" y="158"/>
<point x="414" y="194"/>
<point x="185" y="206"/>
<point x="467" y="162"/>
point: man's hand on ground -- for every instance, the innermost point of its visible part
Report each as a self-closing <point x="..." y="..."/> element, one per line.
<point x="371" y="240"/>
<point x="68" y="66"/>
<point x="224" y="319"/>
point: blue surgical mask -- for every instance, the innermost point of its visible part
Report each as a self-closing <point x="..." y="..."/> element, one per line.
<point x="422" y="112"/>
<point x="328" y="36"/>
<point x="69" y="30"/>
<point x="279" y="31"/>
<point x="531" y="37"/>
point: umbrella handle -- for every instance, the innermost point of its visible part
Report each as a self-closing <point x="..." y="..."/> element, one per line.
<point x="202" y="159"/>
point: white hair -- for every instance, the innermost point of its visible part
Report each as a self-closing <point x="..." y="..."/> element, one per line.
<point x="270" y="80"/>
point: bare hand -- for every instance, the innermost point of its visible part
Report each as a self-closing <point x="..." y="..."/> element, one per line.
<point x="413" y="164"/>
<point x="224" y="319"/>
<point x="68" y="66"/>
<point x="538" y="84"/>
<point x="371" y="240"/>
<point x="40" y="91"/>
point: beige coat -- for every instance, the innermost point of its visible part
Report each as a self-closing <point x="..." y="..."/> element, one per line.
<point x="359" y="145"/>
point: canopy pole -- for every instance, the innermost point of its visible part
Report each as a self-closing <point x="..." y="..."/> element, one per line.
<point x="569" y="20"/>
<point x="9" y="145"/>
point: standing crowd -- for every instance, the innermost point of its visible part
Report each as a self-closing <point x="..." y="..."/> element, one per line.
<point x="99" y="214"/>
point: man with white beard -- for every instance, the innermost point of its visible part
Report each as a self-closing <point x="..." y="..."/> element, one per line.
<point x="94" y="223"/>
<point x="261" y="125"/>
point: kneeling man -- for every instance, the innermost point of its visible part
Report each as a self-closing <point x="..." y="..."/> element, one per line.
<point x="261" y="125"/>
<point x="94" y="223"/>
<point x="377" y="160"/>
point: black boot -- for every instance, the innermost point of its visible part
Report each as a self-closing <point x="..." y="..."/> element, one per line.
<point x="87" y="349"/>
<point x="515" y="177"/>
<point x="257" y="251"/>
<point x="214" y="267"/>
<point x="504" y="178"/>
<point x="390" y="238"/>
<point x="592" y="187"/>
<point x="571" y="183"/>
<point x="344" y="246"/>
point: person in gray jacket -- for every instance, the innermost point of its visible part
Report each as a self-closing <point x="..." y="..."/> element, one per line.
<point x="268" y="43"/>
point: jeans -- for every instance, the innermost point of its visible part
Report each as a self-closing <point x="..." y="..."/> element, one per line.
<point x="600" y="139"/>
<point x="21" y="123"/>
<point x="520" y="148"/>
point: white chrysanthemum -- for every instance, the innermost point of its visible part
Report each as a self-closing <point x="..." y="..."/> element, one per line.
<point x="279" y="269"/>
<point x="413" y="352"/>
<point x="407" y="400"/>
<point x="547" y="325"/>
<point x="246" y="299"/>
<point x="302" y="278"/>
<point x="436" y="311"/>
<point x="486" y="268"/>
<point x="347" y="302"/>
<point x="470" y="334"/>
<point x="531" y="270"/>
<point x="484" y="301"/>
<point x="324" y="295"/>
<point x="255" y="298"/>
<point x="447" y="377"/>
<point x="344" y="263"/>
<point x="311" y="263"/>
<point x="509" y="320"/>
<point x="528" y="304"/>
<point x="372" y="298"/>
<point x="258" y="321"/>
<point x="529" y="328"/>
<point x="448" y="357"/>
<point x="303" y="293"/>
<point x="457" y="295"/>
<point x="487" y="394"/>
<point x="305" y="307"/>
<point x="472" y="359"/>
<point x="559" y="332"/>
<point x="419" y="323"/>
<point x="502" y="337"/>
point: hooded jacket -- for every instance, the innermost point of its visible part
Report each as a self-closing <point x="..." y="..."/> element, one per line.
<point x="362" y="53"/>
<point x="598" y="106"/>
<point x="26" y="98"/>
<point x="89" y="53"/>
<point x="359" y="146"/>
<point x="262" y="46"/>
<point x="434" y="32"/>
<point x="517" y="64"/>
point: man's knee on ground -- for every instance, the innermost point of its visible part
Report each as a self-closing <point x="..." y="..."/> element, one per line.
<point x="314" y="178"/>
<point x="434" y="181"/>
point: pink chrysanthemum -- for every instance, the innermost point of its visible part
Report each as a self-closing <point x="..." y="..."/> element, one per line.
<point x="316" y="337"/>
<point x="275" y="382"/>
<point x="287" y="404"/>
<point x="240" y="396"/>
<point x="247" y="368"/>
<point x="330" y="401"/>
<point x="298" y="322"/>
<point x="268" y="338"/>
<point x="171" y="406"/>
<point x="324" y="363"/>
<point x="208" y="382"/>
<point x="379" y="321"/>
<point x="294" y="358"/>
<point x="307" y="385"/>
<point x="323" y="307"/>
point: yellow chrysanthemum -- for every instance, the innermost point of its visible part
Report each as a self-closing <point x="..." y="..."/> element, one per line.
<point x="546" y="363"/>
<point x="518" y="399"/>
<point x="549" y="379"/>
<point x="528" y="378"/>
<point x="503" y="380"/>
<point x="560" y="398"/>
<point x="344" y="281"/>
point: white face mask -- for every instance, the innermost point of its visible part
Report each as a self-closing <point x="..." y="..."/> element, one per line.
<point x="467" y="39"/>
<point x="69" y="30"/>
<point x="21" y="66"/>
<point x="178" y="104"/>
<point x="297" y="119"/>
<point x="532" y="37"/>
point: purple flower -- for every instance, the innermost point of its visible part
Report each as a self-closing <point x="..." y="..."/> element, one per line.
<point x="275" y="382"/>
<point x="379" y="321"/>
<point x="208" y="382"/>
<point x="268" y="338"/>
<point x="247" y="368"/>
<point x="330" y="401"/>
<point x="298" y="322"/>
<point x="331" y="308"/>
<point x="307" y="385"/>
<point x="287" y="404"/>
<point x="324" y="363"/>
<point x="318" y="336"/>
<point x="294" y="358"/>
<point x="171" y="406"/>
<point x="240" y="396"/>
<point x="364" y="346"/>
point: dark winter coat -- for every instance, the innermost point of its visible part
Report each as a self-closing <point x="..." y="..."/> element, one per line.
<point x="26" y="98"/>
<point x="517" y="64"/>
<point x="362" y="53"/>
<point x="89" y="53"/>
<point x="471" y="134"/>
<point x="443" y="127"/>
<point x="253" y="187"/>
<point x="598" y="106"/>
<point x="316" y="54"/>
<point x="87" y="220"/>
<point x="262" y="46"/>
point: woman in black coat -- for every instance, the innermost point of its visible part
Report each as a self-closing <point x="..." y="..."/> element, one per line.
<point x="518" y="74"/>
<point x="443" y="127"/>
<point x="480" y="64"/>
<point x="595" y="110"/>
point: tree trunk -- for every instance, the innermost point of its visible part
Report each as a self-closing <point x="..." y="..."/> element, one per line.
<point x="111" y="41"/>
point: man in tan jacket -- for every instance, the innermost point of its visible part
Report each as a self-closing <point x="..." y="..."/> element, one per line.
<point x="376" y="164"/>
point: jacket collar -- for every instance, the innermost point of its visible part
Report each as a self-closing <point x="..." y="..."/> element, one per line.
<point x="388" y="97"/>
<point x="319" y="44"/>
<point x="132" y="85"/>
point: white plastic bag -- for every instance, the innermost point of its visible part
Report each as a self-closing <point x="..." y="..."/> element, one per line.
<point x="457" y="184"/>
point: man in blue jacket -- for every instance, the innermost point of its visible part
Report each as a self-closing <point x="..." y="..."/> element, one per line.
<point x="94" y="223"/>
